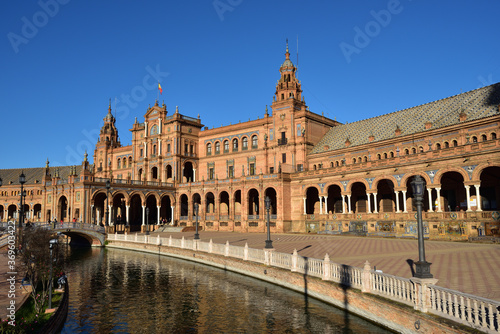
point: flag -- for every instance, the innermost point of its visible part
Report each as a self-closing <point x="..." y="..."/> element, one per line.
<point x="159" y="88"/>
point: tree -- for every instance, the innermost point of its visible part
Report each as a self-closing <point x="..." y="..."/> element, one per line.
<point x="34" y="260"/>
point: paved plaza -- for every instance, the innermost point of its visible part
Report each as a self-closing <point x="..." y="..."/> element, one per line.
<point x="472" y="268"/>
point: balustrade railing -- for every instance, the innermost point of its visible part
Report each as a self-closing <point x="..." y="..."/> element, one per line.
<point x="474" y="311"/>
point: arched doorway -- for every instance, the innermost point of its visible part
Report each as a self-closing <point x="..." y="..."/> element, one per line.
<point x="118" y="214"/>
<point x="166" y="209"/>
<point x="410" y="203"/>
<point x="152" y="216"/>
<point x="135" y="213"/>
<point x="224" y="205"/>
<point x="98" y="213"/>
<point x="385" y="196"/>
<point x="197" y="199"/>
<point x="253" y="202"/>
<point x="237" y="205"/>
<point x="210" y="203"/>
<point x="271" y="193"/>
<point x="154" y="173"/>
<point x="334" y="201"/>
<point x="490" y="188"/>
<point x="37" y="212"/>
<point x="312" y="201"/>
<point x="62" y="208"/>
<point x="12" y="211"/>
<point x="184" y="206"/>
<point x="359" y="198"/>
<point x="2" y="210"/>
<point x="187" y="172"/>
<point x="453" y="192"/>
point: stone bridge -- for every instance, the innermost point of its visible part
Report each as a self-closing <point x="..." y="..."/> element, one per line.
<point x="81" y="233"/>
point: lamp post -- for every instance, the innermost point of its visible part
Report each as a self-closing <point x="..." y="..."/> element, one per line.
<point x="196" y="207"/>
<point x="422" y="267"/>
<point x="269" y="242"/>
<point x="0" y="186"/>
<point x="52" y="242"/>
<point x="147" y="221"/>
<point x="108" y="185"/>
<point x="22" y="181"/>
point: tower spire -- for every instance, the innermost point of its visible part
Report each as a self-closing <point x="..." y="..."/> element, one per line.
<point x="287" y="54"/>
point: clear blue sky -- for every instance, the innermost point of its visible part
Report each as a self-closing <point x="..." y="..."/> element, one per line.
<point x="220" y="59"/>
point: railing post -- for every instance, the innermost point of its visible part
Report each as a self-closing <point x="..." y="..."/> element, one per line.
<point x="295" y="257"/>
<point x="226" y="253"/>
<point x="170" y="240"/>
<point x="182" y="242"/>
<point x="245" y="252"/>
<point x="326" y="267"/>
<point x="422" y="299"/>
<point x="195" y="244"/>
<point x="210" y="246"/>
<point x="267" y="260"/>
<point x="366" y="278"/>
<point x="158" y="241"/>
<point x="135" y="237"/>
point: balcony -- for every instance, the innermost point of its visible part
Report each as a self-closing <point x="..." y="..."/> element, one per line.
<point x="282" y="141"/>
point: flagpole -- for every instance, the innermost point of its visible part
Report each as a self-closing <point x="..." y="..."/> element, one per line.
<point x="158" y="93"/>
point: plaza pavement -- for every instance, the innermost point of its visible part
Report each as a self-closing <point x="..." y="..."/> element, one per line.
<point x="472" y="268"/>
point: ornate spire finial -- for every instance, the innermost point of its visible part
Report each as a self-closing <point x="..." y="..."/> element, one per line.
<point x="47" y="163"/>
<point x="156" y="102"/>
<point x="287" y="54"/>
<point x="176" y="109"/>
<point x="267" y="114"/>
<point x="85" y="156"/>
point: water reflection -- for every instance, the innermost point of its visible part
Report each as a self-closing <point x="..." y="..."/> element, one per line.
<point x="117" y="291"/>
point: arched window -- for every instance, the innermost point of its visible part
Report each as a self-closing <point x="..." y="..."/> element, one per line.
<point x="118" y="163"/>
<point x="353" y="160"/>
<point x="331" y="164"/>
<point x="406" y="151"/>
<point x="421" y="149"/>
<point x="438" y="146"/>
<point x="244" y="143"/>
<point x="336" y="163"/>
<point x="124" y="162"/>
<point x="254" y="141"/>
<point x="414" y="150"/>
<point x="385" y="155"/>
<point x="366" y="158"/>
<point x="130" y="161"/>
<point x="209" y="149"/>
<point x="483" y="138"/>
<point x="493" y="135"/>
<point x="235" y="145"/>
<point x="379" y="156"/>
<point x="359" y="159"/>
<point x="226" y="146"/>
<point x="217" y="147"/>
<point x="446" y="144"/>
<point x="314" y="167"/>
<point x="154" y="149"/>
<point x="474" y="139"/>
<point x="455" y="143"/>
<point x="391" y="154"/>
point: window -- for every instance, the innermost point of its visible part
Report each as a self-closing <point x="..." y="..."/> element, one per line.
<point x="438" y="146"/>
<point x="300" y="167"/>
<point x="271" y="170"/>
<point x="446" y="144"/>
<point x="385" y="155"/>
<point x="235" y="145"/>
<point x="414" y="151"/>
<point x="252" y="169"/>
<point x="226" y="146"/>
<point x="217" y="147"/>
<point x="379" y="157"/>
<point x="283" y="158"/>
<point x="191" y="149"/>
<point x="254" y="142"/>
<point x="210" y="173"/>
<point x="186" y="149"/>
<point x="124" y="162"/>
<point x="154" y="149"/>
<point x="391" y="154"/>
<point x="209" y="149"/>
<point x="168" y="148"/>
<point x="483" y="138"/>
<point x="474" y="139"/>
<point x="331" y="164"/>
<point x="455" y="143"/>
<point x="118" y="164"/>
<point x="230" y="172"/>
<point x="406" y="151"/>
<point x="142" y="152"/>
<point x="244" y="143"/>
<point x="353" y="160"/>
<point x="130" y="161"/>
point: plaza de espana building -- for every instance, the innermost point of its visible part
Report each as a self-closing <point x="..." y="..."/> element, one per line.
<point x="319" y="175"/>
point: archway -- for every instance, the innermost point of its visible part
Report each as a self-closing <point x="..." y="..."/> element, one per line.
<point x="62" y="208"/>
<point x="187" y="172"/>
<point x="453" y="192"/>
<point x="2" y="210"/>
<point x="334" y="201"/>
<point x="135" y="213"/>
<point x="271" y="193"/>
<point x="37" y="212"/>
<point x="490" y="188"/>
<point x="168" y="173"/>
<point x="224" y="204"/>
<point x="209" y="203"/>
<point x="197" y="199"/>
<point x="253" y="202"/>
<point x="152" y="216"/>
<point x="184" y="205"/>
<point x="410" y="203"/>
<point x="98" y="213"/>
<point x="359" y="197"/>
<point x="154" y="174"/>
<point x="237" y="205"/>
<point x="11" y="211"/>
<point x="118" y="214"/>
<point x="385" y="196"/>
<point x="312" y="201"/>
<point x="166" y="209"/>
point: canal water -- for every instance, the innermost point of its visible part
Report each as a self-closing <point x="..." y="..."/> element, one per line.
<point x="119" y="291"/>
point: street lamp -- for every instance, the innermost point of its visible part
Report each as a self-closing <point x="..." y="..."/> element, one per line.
<point x="108" y="185"/>
<point x="422" y="267"/>
<point x="52" y="242"/>
<point x="196" y="207"/>
<point x="22" y="181"/>
<point x="147" y="221"/>
<point x="269" y="242"/>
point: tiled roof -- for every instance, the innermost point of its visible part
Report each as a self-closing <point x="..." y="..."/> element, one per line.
<point x="479" y="103"/>
<point x="34" y="174"/>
